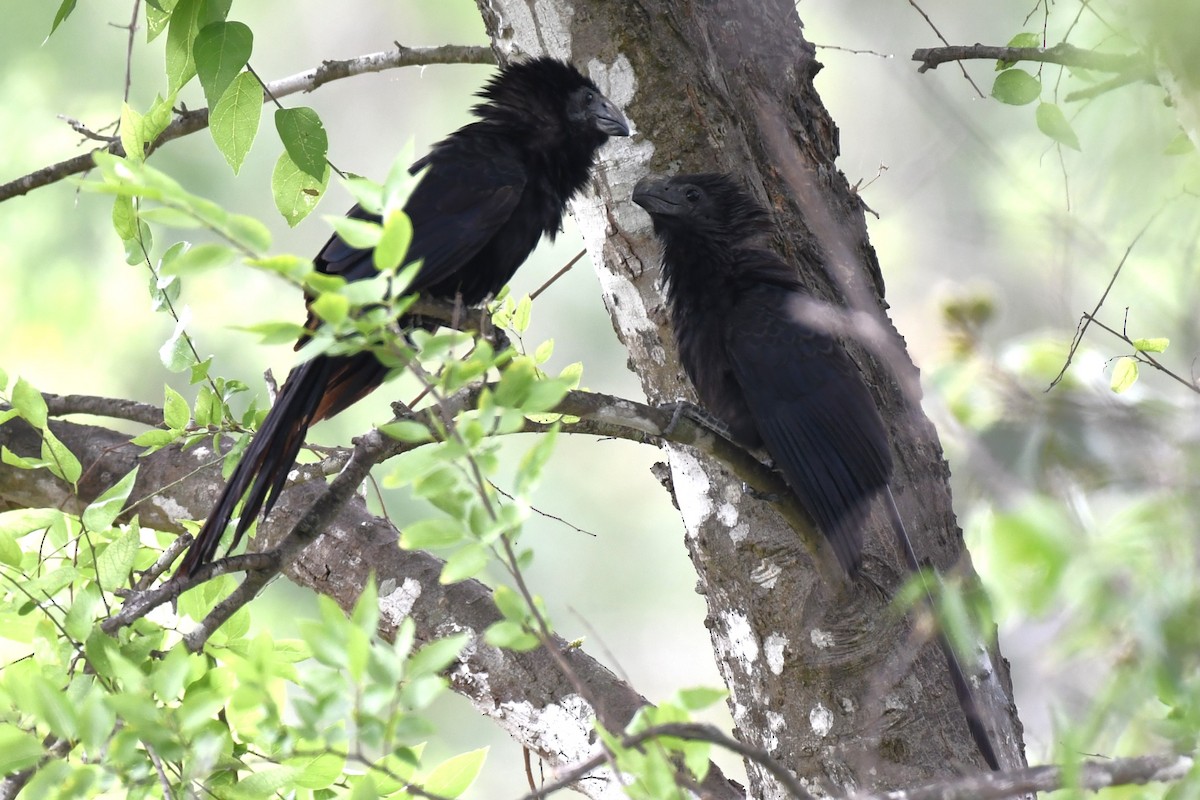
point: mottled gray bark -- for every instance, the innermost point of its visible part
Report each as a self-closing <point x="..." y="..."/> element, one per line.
<point x="826" y="679"/>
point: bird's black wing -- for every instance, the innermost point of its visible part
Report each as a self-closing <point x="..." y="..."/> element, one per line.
<point x="461" y="202"/>
<point x="814" y="413"/>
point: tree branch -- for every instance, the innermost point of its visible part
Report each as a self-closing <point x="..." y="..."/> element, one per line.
<point x="1064" y="54"/>
<point x="190" y="121"/>
<point x="1091" y="776"/>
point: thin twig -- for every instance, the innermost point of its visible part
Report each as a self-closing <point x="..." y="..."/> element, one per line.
<point x="1065" y="54"/>
<point x="190" y="121"/>
<point x="938" y="33"/>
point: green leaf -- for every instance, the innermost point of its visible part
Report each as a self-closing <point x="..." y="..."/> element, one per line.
<point x="158" y="14"/>
<point x="234" y="119"/>
<point x="103" y="511"/>
<point x="79" y="620"/>
<point x="60" y="461"/>
<point x="30" y="404"/>
<point x="1125" y="374"/>
<point x="64" y="11"/>
<point x="393" y="244"/>
<point x="1155" y="345"/>
<point x="357" y="233"/>
<point x="454" y="775"/>
<point x="407" y="430"/>
<point x="521" y="316"/>
<point x="176" y="353"/>
<point x="466" y="562"/>
<point x="165" y="215"/>
<point x="114" y="564"/>
<point x="291" y="267"/>
<point x="304" y="137"/>
<point x="700" y="697"/>
<point x="1052" y="122"/>
<point x="248" y="232"/>
<point x="331" y="307"/>
<point x="432" y="533"/>
<point x="18" y="749"/>
<point x="1016" y="87"/>
<point x="181" y="33"/>
<point x="1182" y="144"/>
<point x="510" y="635"/>
<point x="221" y="50"/>
<point x="296" y="193"/>
<point x="131" y="134"/>
<point x="198" y="258"/>
<point x="1020" y="40"/>
<point x="511" y="605"/>
<point x="155" y="438"/>
<point x="437" y="655"/>
<point x="22" y="521"/>
<point x="175" y="410"/>
<point x="10" y="551"/>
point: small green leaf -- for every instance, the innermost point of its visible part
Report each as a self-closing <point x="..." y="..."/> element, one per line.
<point x="454" y="775"/>
<point x="171" y="217"/>
<point x="437" y="655"/>
<point x="304" y="137"/>
<point x="1182" y="144"/>
<point x="101" y="512"/>
<point x="18" y="750"/>
<point x="158" y="14"/>
<point x="1016" y="87"/>
<point x="331" y="307"/>
<point x="1125" y="374"/>
<point x="510" y="635"/>
<point x="175" y="410"/>
<point x="59" y="460"/>
<point x="156" y="438"/>
<point x="521" y="316"/>
<point x="393" y="244"/>
<point x="543" y="352"/>
<point x="407" y="430"/>
<point x="181" y="33"/>
<point x="1155" y="345"/>
<point x="1052" y="122"/>
<point x="221" y="50"/>
<point x="30" y="404"/>
<point x="248" y="232"/>
<point x="198" y="258"/>
<point x="234" y="119"/>
<point x="131" y="134"/>
<point x="1020" y="40"/>
<point x="466" y="562"/>
<point x="10" y="551"/>
<point x="700" y="697"/>
<point x="292" y="267"/>
<point x="296" y="193"/>
<point x="357" y="233"/>
<point x="22" y="521"/>
<point x="176" y="353"/>
<point x="114" y="564"/>
<point x="64" y="11"/>
<point x="432" y="533"/>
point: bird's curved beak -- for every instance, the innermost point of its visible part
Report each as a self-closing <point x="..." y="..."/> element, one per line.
<point x="653" y="194"/>
<point x="607" y="118"/>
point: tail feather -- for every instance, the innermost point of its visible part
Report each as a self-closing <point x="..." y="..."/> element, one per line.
<point x="263" y="470"/>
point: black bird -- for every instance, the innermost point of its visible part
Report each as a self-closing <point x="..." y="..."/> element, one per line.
<point x="771" y="378"/>
<point x="489" y="192"/>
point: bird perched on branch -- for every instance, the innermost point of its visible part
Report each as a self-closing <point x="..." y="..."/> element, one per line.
<point x="771" y="377"/>
<point x="488" y="193"/>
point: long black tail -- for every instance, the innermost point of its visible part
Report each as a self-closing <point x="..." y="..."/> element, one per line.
<point x="966" y="700"/>
<point x="263" y="470"/>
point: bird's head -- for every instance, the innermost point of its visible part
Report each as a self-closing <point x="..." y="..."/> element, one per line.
<point x="552" y="97"/>
<point x="708" y="204"/>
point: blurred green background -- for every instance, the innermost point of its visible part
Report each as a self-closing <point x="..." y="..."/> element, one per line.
<point x="1072" y="499"/>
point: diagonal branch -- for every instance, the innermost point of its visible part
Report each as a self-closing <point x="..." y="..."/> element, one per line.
<point x="190" y="121"/>
<point x="1065" y="54"/>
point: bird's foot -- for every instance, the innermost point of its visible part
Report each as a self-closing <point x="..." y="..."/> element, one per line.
<point x="681" y="408"/>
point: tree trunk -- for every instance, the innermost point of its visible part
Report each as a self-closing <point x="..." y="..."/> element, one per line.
<point x="826" y="679"/>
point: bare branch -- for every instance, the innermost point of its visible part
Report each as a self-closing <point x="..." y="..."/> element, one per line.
<point x="111" y="407"/>
<point x="1091" y="776"/>
<point x="190" y="121"/>
<point x="1064" y="54"/>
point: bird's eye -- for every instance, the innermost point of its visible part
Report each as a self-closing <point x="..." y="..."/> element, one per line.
<point x="589" y="97"/>
<point x="692" y="195"/>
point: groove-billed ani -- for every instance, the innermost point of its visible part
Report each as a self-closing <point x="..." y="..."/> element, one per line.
<point x="771" y="378"/>
<point x="489" y="192"/>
